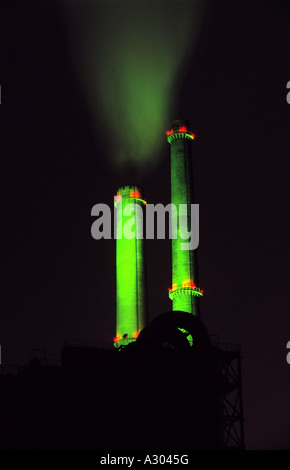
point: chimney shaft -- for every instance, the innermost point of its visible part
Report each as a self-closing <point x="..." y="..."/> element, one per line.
<point x="184" y="291"/>
<point x="131" y="298"/>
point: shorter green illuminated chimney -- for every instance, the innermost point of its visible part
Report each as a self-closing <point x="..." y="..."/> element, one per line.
<point x="131" y="298"/>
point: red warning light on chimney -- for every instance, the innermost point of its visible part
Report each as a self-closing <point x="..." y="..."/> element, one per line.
<point x="135" y="194"/>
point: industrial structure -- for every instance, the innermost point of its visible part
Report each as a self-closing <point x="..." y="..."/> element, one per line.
<point x="216" y="411"/>
<point x="131" y="294"/>
<point x="181" y="388"/>
<point x="184" y="291"/>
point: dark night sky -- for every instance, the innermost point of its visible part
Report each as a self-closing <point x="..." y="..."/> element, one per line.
<point x="59" y="283"/>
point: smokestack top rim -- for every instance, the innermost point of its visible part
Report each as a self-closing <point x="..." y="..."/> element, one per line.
<point x="180" y="128"/>
<point x="126" y="189"/>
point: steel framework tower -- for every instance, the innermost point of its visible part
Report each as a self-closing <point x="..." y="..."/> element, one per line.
<point x="130" y="265"/>
<point x="184" y="292"/>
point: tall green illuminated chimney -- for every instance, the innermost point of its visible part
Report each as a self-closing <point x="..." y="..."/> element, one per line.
<point x="184" y="291"/>
<point x="131" y="298"/>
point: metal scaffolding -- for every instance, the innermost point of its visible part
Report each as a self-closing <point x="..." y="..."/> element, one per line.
<point x="233" y="414"/>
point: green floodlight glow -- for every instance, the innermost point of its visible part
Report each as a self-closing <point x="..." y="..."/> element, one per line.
<point x="117" y="198"/>
<point x="188" y="337"/>
<point x="131" y="300"/>
<point x="127" y="101"/>
<point x="179" y="135"/>
<point x="184" y="292"/>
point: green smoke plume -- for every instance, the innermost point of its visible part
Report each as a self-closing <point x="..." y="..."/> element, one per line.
<point x="129" y="54"/>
